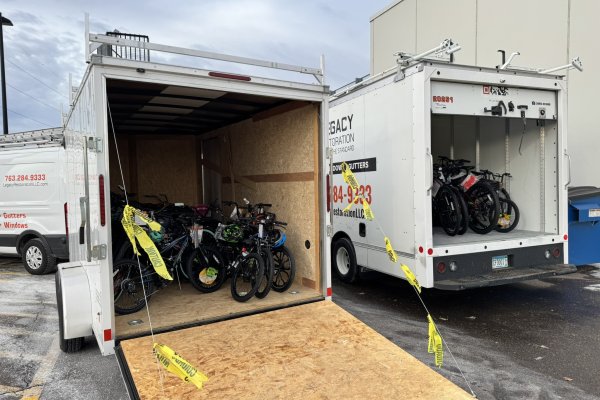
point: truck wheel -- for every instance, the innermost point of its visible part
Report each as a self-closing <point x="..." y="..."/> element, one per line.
<point x="66" y="345"/>
<point x="344" y="260"/>
<point x="37" y="257"/>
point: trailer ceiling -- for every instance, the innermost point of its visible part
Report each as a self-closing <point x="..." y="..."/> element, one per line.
<point x="151" y="108"/>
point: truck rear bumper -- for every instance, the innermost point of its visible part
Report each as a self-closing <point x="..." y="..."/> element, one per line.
<point x="503" y="277"/>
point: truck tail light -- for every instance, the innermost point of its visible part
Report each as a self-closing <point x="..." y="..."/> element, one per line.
<point x="441" y="267"/>
<point x="66" y="208"/>
<point x="556" y="252"/>
<point x="102" y="200"/>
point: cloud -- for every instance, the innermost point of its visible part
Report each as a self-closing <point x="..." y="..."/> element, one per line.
<point x="46" y="41"/>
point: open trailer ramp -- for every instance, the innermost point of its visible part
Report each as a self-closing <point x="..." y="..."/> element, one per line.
<point x="315" y="350"/>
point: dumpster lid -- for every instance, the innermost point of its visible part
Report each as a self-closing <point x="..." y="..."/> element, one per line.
<point x="583" y="192"/>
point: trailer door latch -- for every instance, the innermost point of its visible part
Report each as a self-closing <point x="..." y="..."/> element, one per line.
<point x="496" y="110"/>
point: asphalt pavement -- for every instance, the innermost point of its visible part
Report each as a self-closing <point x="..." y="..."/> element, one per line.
<point x="533" y="340"/>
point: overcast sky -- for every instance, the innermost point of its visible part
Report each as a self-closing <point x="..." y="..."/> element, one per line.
<point x="46" y="42"/>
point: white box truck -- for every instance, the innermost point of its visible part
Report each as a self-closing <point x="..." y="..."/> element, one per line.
<point x="392" y="128"/>
<point x="199" y="135"/>
<point x="32" y="198"/>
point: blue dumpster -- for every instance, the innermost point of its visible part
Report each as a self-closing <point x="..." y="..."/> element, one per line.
<point x="584" y="225"/>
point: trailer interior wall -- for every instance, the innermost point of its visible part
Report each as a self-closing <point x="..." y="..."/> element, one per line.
<point x="533" y="185"/>
<point x="274" y="159"/>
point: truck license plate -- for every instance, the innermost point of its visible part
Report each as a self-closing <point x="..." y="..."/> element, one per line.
<point x="499" y="262"/>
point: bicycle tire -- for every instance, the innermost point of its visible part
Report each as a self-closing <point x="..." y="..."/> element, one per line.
<point x="131" y="287"/>
<point x="203" y="264"/>
<point x="283" y="276"/>
<point x="250" y="270"/>
<point x="464" y="213"/>
<point x="509" y="207"/>
<point x="484" y="207"/>
<point x="264" y="287"/>
<point x="448" y="210"/>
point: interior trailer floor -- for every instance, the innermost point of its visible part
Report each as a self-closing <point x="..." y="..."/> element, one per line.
<point x="440" y="238"/>
<point x="312" y="351"/>
<point x="171" y="307"/>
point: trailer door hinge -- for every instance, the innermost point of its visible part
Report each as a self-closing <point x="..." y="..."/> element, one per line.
<point x="99" y="252"/>
<point x="329" y="153"/>
<point x="330" y="230"/>
<point x="95" y="144"/>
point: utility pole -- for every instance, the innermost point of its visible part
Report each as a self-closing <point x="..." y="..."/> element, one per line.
<point x="7" y="22"/>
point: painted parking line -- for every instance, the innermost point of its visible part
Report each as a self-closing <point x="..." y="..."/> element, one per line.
<point x="9" y="389"/>
<point x="41" y="376"/>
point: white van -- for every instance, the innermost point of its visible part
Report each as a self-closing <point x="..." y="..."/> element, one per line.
<point x="32" y="198"/>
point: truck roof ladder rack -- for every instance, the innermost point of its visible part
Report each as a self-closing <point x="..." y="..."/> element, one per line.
<point x="40" y="138"/>
<point x="95" y="41"/>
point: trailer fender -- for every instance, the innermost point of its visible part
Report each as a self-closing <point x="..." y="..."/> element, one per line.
<point x="73" y="301"/>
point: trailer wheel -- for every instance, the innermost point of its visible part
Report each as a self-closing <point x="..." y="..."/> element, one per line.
<point x="37" y="257"/>
<point x="344" y="260"/>
<point x="66" y="345"/>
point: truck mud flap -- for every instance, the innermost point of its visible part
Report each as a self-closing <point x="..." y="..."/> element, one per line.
<point x="504" y="277"/>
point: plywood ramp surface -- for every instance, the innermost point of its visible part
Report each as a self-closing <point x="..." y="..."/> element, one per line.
<point x="171" y="307"/>
<point x="313" y="351"/>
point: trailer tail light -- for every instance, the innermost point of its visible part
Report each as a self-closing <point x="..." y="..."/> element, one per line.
<point x="453" y="266"/>
<point x="328" y="195"/>
<point x="556" y="252"/>
<point x="102" y="200"/>
<point x="547" y="254"/>
<point x="441" y="267"/>
<point x="430" y="251"/>
<point x="107" y="335"/>
<point x="66" y="209"/>
<point x="329" y="292"/>
<point x="566" y="237"/>
<point x="229" y="76"/>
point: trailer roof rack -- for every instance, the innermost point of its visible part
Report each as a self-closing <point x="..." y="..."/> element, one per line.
<point x="40" y="138"/>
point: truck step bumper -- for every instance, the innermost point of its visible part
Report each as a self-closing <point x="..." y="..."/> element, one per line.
<point x="503" y="277"/>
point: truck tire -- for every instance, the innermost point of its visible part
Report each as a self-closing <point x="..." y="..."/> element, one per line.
<point x="37" y="257"/>
<point x="66" y="345"/>
<point x="344" y="260"/>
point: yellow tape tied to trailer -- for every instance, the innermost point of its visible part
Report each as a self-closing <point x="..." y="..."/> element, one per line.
<point x="134" y="231"/>
<point x="349" y="177"/>
<point x="176" y="365"/>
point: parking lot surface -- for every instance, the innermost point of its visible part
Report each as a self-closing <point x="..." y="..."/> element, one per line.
<point x="534" y="340"/>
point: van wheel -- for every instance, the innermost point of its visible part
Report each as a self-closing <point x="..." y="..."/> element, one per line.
<point x="344" y="260"/>
<point x="66" y="345"/>
<point x="37" y="257"/>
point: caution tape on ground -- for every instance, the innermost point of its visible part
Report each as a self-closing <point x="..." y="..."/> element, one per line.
<point x="176" y="365"/>
<point x="134" y="231"/>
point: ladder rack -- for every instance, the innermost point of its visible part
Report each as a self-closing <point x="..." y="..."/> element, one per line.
<point x="40" y="138"/>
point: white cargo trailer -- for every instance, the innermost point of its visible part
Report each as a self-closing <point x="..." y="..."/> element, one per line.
<point x="199" y="135"/>
<point x="392" y="128"/>
<point x="32" y="198"/>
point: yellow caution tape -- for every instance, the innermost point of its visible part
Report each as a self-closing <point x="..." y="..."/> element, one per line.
<point x="390" y="250"/>
<point x="411" y="278"/>
<point x="435" y="343"/>
<point x="368" y="212"/>
<point x="134" y="231"/>
<point x="178" y="366"/>
<point x="349" y="177"/>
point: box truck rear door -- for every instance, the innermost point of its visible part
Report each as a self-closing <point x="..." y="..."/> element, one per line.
<point x="314" y="350"/>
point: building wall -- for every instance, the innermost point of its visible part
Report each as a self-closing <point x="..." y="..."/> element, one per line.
<point x="547" y="33"/>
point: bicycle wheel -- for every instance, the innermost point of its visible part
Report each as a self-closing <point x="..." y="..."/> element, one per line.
<point x="464" y="213"/>
<point x="246" y="277"/>
<point x="206" y="269"/>
<point x="484" y="207"/>
<point x="448" y="210"/>
<point x="127" y="286"/>
<point x="509" y="216"/>
<point x="285" y="269"/>
<point x="265" y="283"/>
